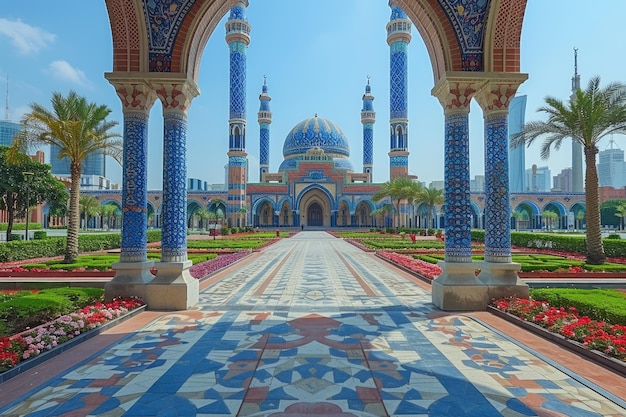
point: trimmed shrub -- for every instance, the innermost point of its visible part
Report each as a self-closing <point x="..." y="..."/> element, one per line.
<point x="600" y="305"/>
<point x="40" y="234"/>
<point x="32" y="310"/>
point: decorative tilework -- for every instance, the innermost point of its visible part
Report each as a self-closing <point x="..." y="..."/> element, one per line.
<point x="264" y="138"/>
<point x="316" y="132"/>
<point x="468" y="19"/>
<point x="134" y="191"/>
<point x="164" y="19"/>
<point x="399" y="161"/>
<point x="457" y="217"/>
<point x="313" y="326"/>
<point x="497" y="208"/>
<point x="398" y="86"/>
<point x="368" y="144"/>
<point x="174" y="213"/>
<point x="237" y="82"/>
<point x="368" y="116"/>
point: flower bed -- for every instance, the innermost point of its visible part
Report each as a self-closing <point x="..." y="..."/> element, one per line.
<point x="420" y="268"/>
<point x="604" y="338"/>
<point x="28" y="345"/>
<point x="203" y="269"/>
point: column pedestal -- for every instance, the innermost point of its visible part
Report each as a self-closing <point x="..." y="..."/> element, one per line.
<point x="173" y="288"/>
<point x="130" y="280"/>
<point x="458" y="288"/>
<point x="502" y="280"/>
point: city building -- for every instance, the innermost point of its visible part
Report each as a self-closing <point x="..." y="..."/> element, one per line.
<point x="517" y="155"/>
<point x="477" y="185"/>
<point x="562" y="182"/>
<point x="8" y="130"/>
<point x="611" y="167"/>
<point x="538" y="179"/>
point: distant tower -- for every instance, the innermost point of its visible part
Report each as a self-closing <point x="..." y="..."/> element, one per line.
<point x="265" y="119"/>
<point x="577" y="149"/>
<point x="238" y="39"/>
<point x="517" y="156"/>
<point x="398" y="38"/>
<point x="368" y="118"/>
<point x="8" y="129"/>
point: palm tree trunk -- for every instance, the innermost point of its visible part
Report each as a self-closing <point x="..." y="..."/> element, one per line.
<point x="595" y="248"/>
<point x="71" y="248"/>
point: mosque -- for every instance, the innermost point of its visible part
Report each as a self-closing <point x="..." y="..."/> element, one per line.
<point x="315" y="184"/>
<point x="475" y="55"/>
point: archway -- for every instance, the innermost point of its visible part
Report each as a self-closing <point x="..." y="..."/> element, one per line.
<point x="314" y="215"/>
<point x="474" y="52"/>
<point x="315" y="206"/>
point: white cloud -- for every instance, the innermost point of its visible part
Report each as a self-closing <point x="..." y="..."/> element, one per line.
<point x="27" y="39"/>
<point x="62" y="70"/>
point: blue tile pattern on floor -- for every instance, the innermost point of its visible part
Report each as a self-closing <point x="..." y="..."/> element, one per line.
<point x="313" y="326"/>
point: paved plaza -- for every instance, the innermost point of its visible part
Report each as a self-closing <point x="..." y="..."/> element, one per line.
<point x="311" y="326"/>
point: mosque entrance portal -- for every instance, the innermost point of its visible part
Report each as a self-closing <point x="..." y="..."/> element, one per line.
<point x="315" y="216"/>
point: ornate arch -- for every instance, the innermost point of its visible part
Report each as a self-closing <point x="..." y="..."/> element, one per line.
<point x="481" y="37"/>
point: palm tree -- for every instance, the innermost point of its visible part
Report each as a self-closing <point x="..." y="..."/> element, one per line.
<point x="203" y="214"/>
<point x="580" y="215"/>
<point x="88" y="207"/>
<point x="549" y="218"/>
<point x="398" y="189"/>
<point x="431" y="197"/>
<point x="108" y="211"/>
<point x="620" y="211"/>
<point x="78" y="129"/>
<point x="591" y="115"/>
<point x="517" y="215"/>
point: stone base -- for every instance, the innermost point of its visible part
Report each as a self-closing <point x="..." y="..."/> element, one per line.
<point x="130" y="280"/>
<point x="173" y="288"/>
<point x="502" y="280"/>
<point x="458" y="288"/>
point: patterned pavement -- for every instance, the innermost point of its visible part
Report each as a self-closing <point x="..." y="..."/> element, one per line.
<point x="313" y="326"/>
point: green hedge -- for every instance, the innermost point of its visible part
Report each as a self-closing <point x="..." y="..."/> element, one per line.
<point x="21" y="226"/>
<point x="55" y="246"/>
<point x="32" y="310"/>
<point x="613" y="248"/>
<point x="600" y="305"/>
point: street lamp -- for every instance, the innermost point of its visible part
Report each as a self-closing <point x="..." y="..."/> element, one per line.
<point x="27" y="176"/>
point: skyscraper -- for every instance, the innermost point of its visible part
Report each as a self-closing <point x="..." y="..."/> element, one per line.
<point x="94" y="164"/>
<point x="577" y="149"/>
<point x="7" y="131"/>
<point x="611" y="167"/>
<point x="517" y="155"/>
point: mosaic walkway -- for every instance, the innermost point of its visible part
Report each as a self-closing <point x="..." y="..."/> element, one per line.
<point x="314" y="327"/>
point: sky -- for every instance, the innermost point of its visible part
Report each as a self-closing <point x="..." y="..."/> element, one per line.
<point x="317" y="56"/>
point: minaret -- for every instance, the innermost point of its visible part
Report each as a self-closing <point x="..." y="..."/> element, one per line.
<point x="238" y="39"/>
<point x="398" y="38"/>
<point x="265" y="119"/>
<point x="577" y="148"/>
<point x="368" y="118"/>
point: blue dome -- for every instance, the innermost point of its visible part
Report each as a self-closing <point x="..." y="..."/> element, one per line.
<point x="316" y="132"/>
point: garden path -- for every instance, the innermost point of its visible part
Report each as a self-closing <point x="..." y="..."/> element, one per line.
<point x="311" y="326"/>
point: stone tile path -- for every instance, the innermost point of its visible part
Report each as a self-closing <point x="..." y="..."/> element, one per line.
<point x="313" y="326"/>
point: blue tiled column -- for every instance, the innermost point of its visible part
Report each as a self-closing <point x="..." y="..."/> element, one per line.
<point x="498" y="272"/>
<point x="134" y="190"/>
<point x="457" y="288"/>
<point x="174" y="231"/>
<point x="497" y="206"/>
<point x="174" y="288"/>
<point x="458" y="216"/>
<point x="133" y="270"/>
